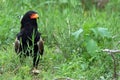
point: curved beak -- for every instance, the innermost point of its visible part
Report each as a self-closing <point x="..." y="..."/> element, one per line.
<point x="34" y="16"/>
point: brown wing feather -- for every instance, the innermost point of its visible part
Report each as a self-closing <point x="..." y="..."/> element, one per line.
<point x="17" y="45"/>
<point x="40" y="44"/>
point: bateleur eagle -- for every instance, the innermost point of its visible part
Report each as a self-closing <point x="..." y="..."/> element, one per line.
<point x="28" y="41"/>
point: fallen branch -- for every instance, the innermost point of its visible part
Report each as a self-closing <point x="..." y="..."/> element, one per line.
<point x="111" y="51"/>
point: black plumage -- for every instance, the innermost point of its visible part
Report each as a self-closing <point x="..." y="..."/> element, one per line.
<point x="29" y="40"/>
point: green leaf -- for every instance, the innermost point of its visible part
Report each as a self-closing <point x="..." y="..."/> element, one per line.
<point x="77" y="33"/>
<point x="91" y="46"/>
<point x="103" y="32"/>
<point x="95" y="32"/>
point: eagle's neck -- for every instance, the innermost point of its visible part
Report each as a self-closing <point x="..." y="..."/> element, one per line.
<point x="32" y="24"/>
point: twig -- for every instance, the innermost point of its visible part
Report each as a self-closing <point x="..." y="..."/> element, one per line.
<point x="115" y="66"/>
<point x="112" y="53"/>
<point x="15" y="69"/>
<point x="69" y="27"/>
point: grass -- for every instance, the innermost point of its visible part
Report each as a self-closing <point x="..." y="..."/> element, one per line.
<point x="73" y="40"/>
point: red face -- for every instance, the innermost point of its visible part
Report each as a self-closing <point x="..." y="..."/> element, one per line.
<point x="34" y="16"/>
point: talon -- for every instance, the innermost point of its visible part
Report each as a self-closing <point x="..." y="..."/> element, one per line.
<point x="35" y="71"/>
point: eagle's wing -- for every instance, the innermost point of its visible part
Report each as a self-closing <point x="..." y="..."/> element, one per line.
<point x="17" y="45"/>
<point x="40" y="45"/>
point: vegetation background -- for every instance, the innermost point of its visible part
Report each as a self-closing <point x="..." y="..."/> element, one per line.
<point x="74" y="37"/>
